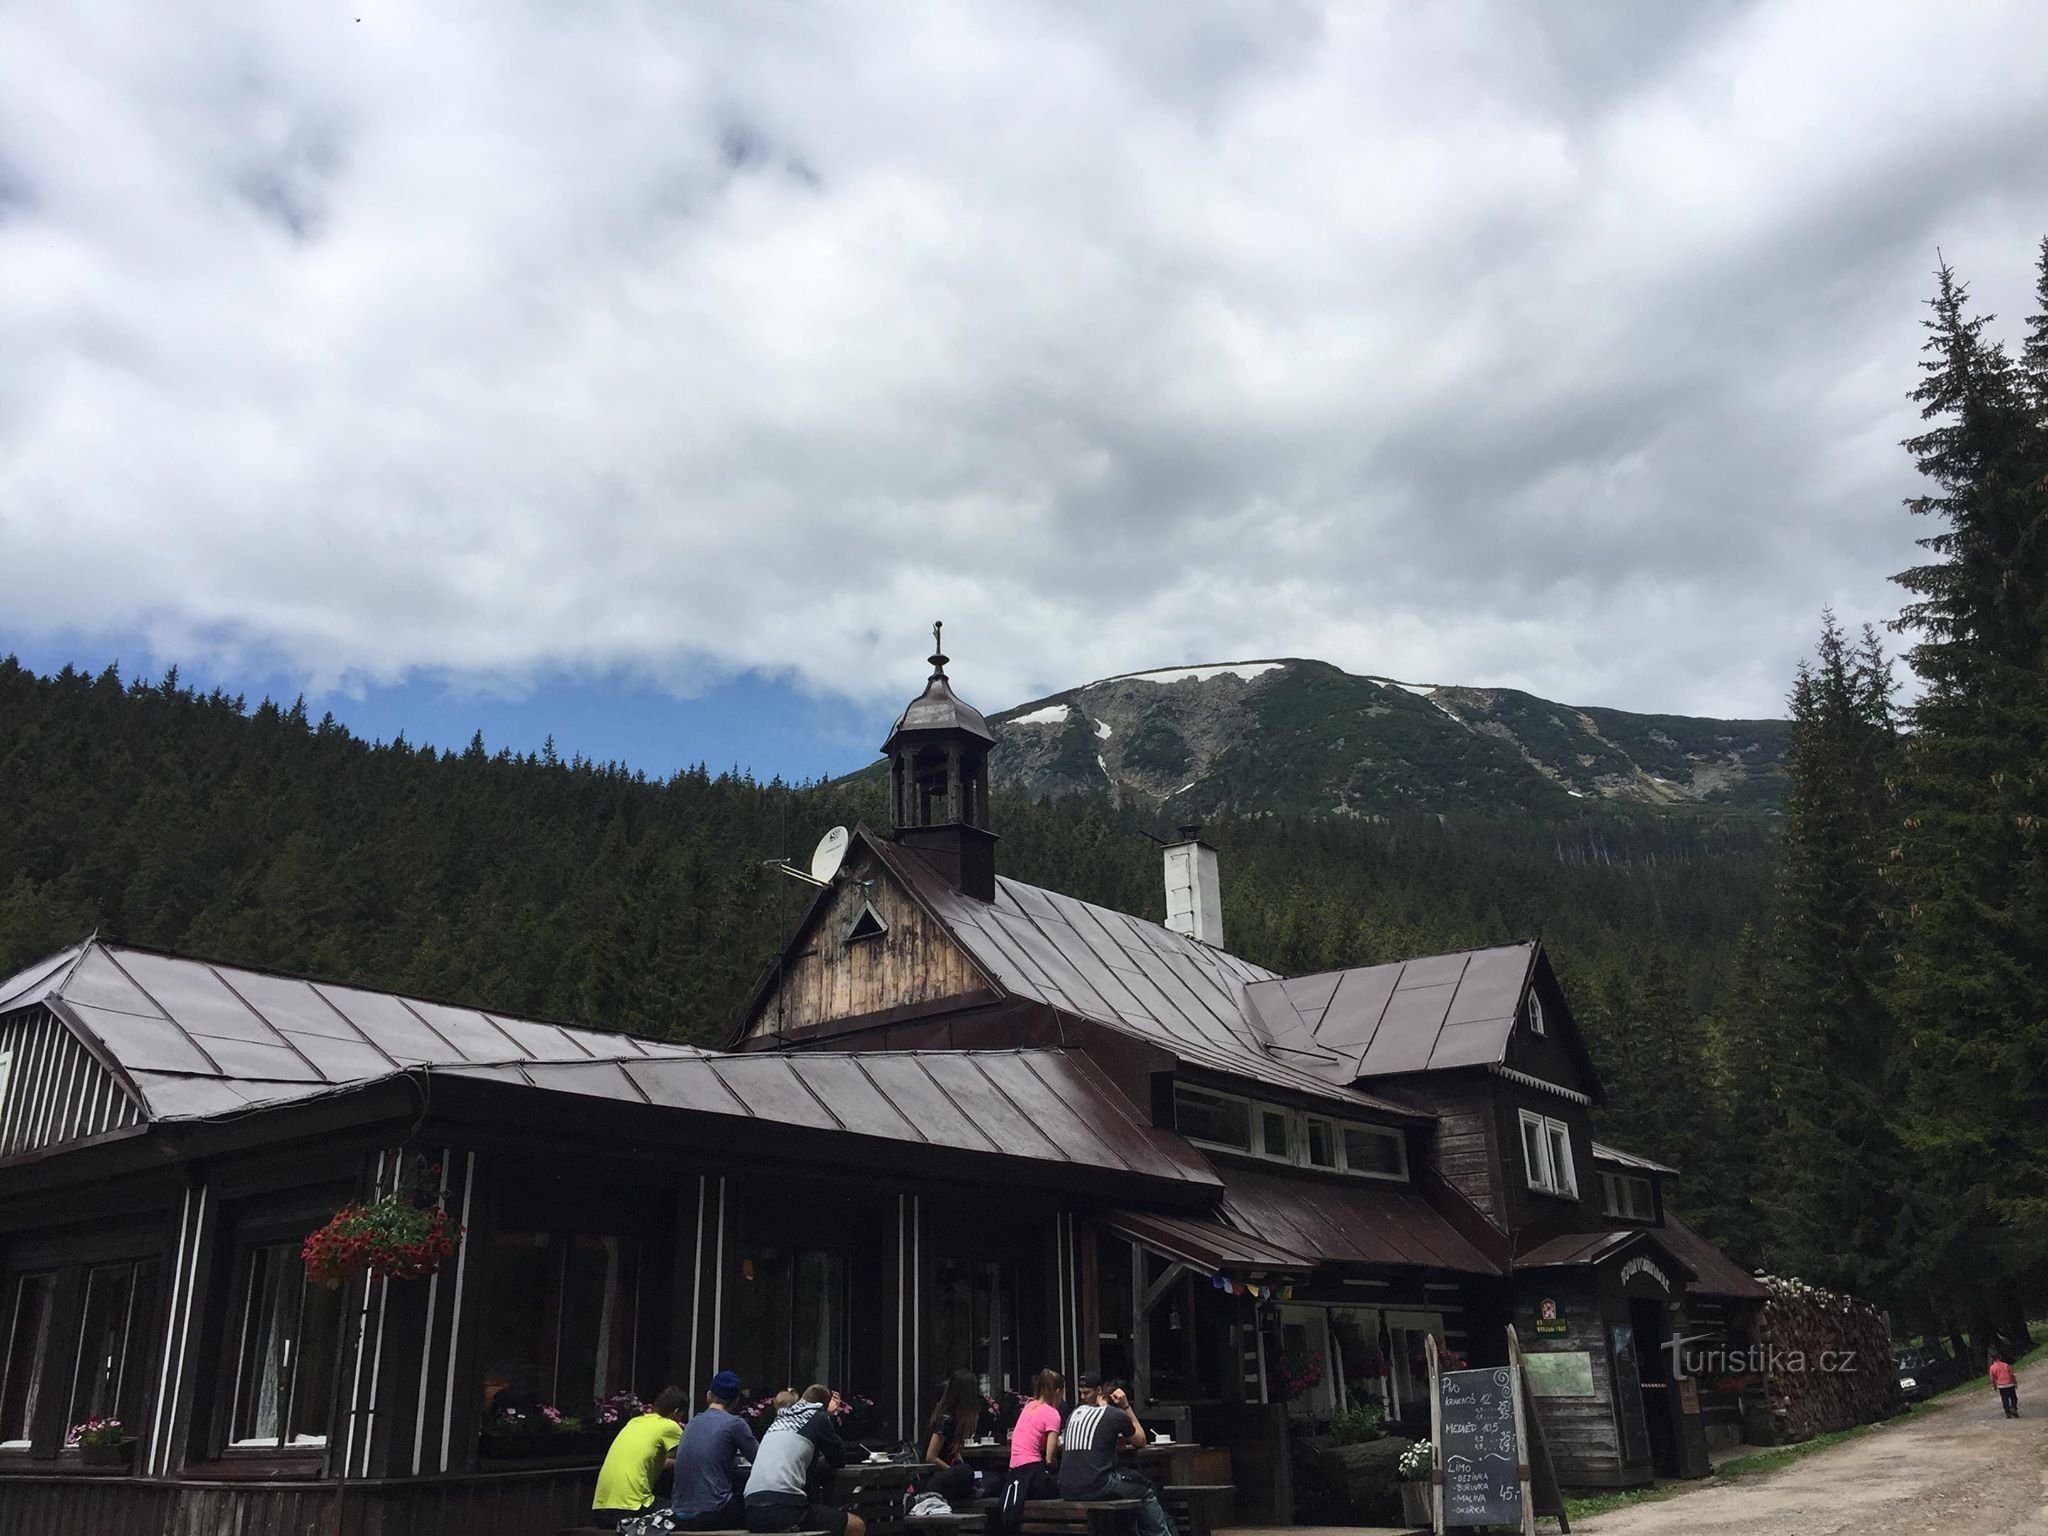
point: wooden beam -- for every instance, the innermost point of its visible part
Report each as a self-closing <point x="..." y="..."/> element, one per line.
<point x="1150" y="1298"/>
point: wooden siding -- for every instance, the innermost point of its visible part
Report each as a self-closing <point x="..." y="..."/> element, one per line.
<point x="1582" y="1433"/>
<point x="55" y="1090"/>
<point x="537" y="1503"/>
<point x="827" y="979"/>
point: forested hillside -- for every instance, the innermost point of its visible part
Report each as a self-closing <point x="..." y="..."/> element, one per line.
<point x="584" y="892"/>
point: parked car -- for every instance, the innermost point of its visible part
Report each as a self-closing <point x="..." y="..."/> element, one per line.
<point x="1924" y="1372"/>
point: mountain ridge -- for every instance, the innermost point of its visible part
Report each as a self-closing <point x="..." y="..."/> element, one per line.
<point x="1298" y="735"/>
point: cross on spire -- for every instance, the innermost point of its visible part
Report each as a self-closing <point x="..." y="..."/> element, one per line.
<point x="938" y="657"/>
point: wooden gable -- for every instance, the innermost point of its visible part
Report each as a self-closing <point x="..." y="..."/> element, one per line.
<point x="52" y="1088"/>
<point x="868" y="947"/>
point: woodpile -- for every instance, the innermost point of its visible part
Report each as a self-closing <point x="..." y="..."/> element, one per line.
<point x="1827" y="1360"/>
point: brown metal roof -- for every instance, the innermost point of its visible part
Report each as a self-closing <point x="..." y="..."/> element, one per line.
<point x="1420" y="1015"/>
<point x="1597" y="1247"/>
<point x="1717" y="1274"/>
<point x="1047" y="1106"/>
<point x="1602" y="1153"/>
<point x="1355" y="1221"/>
<point x="1207" y="1246"/>
<point x="1129" y="974"/>
<point x="196" y="1038"/>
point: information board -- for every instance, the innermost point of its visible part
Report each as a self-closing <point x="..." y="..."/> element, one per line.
<point x="1560" y="1373"/>
<point x="1479" y="1448"/>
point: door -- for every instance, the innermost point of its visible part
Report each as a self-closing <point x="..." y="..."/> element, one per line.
<point x="1653" y="1371"/>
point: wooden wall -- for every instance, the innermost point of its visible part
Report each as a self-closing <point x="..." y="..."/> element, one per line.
<point x="538" y="1503"/>
<point x="828" y="979"/>
<point x="1582" y="1433"/>
<point x="52" y="1089"/>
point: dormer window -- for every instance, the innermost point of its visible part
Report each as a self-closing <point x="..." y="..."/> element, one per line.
<point x="1231" y="1123"/>
<point x="1629" y="1196"/>
<point x="868" y="925"/>
<point x="1535" y="1014"/>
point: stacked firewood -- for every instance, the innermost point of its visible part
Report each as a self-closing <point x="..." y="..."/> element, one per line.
<point x="1827" y="1360"/>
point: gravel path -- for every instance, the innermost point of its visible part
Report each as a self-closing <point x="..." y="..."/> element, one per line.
<point x="1956" y="1467"/>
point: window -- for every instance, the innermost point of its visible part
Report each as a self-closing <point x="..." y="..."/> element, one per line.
<point x="1535" y="1014"/>
<point x="28" y="1347"/>
<point x="1628" y="1196"/>
<point x="1276" y="1134"/>
<point x="1217" y="1119"/>
<point x="1547" y="1155"/>
<point x="1288" y="1136"/>
<point x="974" y="1321"/>
<point x="789" y="1316"/>
<point x="1375" y="1151"/>
<point x="284" y="1360"/>
<point x="868" y="925"/>
<point x="559" y="1317"/>
<point x="113" y="1338"/>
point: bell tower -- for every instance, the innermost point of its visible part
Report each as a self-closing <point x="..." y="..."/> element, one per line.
<point x="938" y="783"/>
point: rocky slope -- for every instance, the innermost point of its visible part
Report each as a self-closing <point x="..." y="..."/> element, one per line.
<point x="1303" y="736"/>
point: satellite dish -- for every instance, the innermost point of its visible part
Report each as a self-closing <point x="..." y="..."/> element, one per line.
<point x="828" y="856"/>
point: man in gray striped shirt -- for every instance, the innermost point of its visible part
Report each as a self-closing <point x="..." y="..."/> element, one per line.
<point x="1095" y="1432"/>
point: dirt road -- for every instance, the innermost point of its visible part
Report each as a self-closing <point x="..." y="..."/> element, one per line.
<point x="1956" y="1467"/>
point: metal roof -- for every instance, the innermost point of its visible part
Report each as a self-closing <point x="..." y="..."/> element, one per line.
<point x="194" y="1038"/>
<point x="1594" y="1247"/>
<point x="1206" y="1245"/>
<point x="1355" y="1221"/>
<point x="938" y="708"/>
<point x="1131" y="975"/>
<point x="1602" y="1153"/>
<point x="1047" y="1105"/>
<point x="1717" y="1274"/>
<point x="1420" y="1015"/>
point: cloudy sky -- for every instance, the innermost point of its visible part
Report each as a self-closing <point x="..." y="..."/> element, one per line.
<point x="655" y="374"/>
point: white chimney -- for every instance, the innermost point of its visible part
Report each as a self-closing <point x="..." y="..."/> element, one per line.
<point x="1194" y="898"/>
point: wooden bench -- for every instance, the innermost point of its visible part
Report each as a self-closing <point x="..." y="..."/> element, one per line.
<point x="1071" y="1517"/>
<point x="1199" y="1509"/>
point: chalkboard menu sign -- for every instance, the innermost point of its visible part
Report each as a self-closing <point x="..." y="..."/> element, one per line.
<point x="1480" y="1453"/>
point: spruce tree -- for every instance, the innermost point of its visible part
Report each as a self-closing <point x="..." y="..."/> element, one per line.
<point x="1971" y="858"/>
<point x="1833" y="1145"/>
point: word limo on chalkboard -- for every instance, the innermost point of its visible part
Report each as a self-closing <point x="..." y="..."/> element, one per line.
<point x="1481" y="1451"/>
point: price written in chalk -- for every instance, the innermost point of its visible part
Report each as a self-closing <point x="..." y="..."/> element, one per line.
<point x="1480" y="1452"/>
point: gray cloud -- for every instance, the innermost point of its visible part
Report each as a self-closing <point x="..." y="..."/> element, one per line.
<point x="1559" y="346"/>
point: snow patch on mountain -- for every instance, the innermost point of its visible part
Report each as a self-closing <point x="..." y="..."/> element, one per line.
<point x="1052" y="714"/>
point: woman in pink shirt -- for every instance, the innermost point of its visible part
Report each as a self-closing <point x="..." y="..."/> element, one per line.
<point x="1034" y="1446"/>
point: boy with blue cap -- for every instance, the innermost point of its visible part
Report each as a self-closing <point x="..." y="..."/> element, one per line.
<point x="705" y="1499"/>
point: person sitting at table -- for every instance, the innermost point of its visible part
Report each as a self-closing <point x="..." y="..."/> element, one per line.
<point x="1034" y="1447"/>
<point x="1089" y="1471"/>
<point x="953" y="1423"/>
<point x="778" y="1491"/>
<point x="705" y="1497"/>
<point x="638" y="1455"/>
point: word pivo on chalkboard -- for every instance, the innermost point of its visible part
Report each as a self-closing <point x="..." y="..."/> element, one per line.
<point x="1480" y="1452"/>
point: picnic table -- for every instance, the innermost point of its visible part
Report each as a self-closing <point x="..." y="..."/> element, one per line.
<point x="1173" y="1463"/>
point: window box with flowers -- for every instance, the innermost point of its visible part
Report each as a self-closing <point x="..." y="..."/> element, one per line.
<point x="101" y="1443"/>
<point x="541" y="1431"/>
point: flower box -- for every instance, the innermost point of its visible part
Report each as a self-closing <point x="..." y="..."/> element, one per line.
<point x="120" y="1454"/>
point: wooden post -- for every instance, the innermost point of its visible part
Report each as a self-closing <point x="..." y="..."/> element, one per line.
<point x="1436" y="1441"/>
<point x="1141" y="1332"/>
<point x="1523" y="1454"/>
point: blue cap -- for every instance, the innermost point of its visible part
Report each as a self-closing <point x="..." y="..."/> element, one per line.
<point x="725" y="1386"/>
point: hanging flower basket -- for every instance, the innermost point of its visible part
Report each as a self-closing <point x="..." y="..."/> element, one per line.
<point x="405" y="1235"/>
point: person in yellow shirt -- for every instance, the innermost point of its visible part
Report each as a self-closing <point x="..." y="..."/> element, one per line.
<point x="625" y="1484"/>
